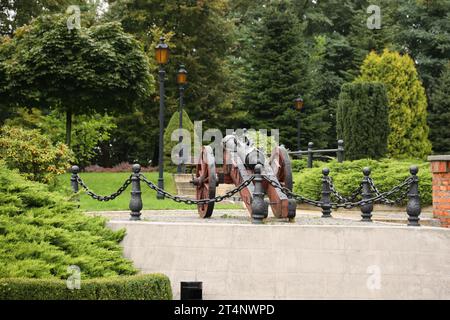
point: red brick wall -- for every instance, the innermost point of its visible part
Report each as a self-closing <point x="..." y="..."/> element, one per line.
<point x="441" y="190"/>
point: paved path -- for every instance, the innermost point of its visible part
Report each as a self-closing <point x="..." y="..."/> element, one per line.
<point x="304" y="217"/>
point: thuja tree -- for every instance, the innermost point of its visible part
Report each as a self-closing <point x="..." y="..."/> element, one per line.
<point x="362" y="120"/>
<point x="407" y="102"/>
<point x="439" y="117"/>
<point x="77" y="71"/>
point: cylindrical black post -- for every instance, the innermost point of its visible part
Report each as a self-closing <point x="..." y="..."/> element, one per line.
<point x="180" y="167"/>
<point x="298" y="133"/>
<point x="366" y="192"/>
<point x="326" y="194"/>
<point x="413" y="207"/>
<point x="73" y="178"/>
<point x="162" y="93"/>
<point x="310" y="154"/>
<point x="340" y="152"/>
<point x="259" y="206"/>
<point x="136" y="197"/>
<point x="191" y="290"/>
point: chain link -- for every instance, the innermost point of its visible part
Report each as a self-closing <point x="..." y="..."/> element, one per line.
<point x="229" y="194"/>
<point x="342" y="199"/>
<point x="104" y="198"/>
<point x="347" y="205"/>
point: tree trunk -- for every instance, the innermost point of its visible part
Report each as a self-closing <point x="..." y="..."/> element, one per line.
<point x="68" y="127"/>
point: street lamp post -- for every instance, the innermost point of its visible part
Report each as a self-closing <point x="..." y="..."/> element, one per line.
<point x="181" y="80"/>
<point x="298" y="103"/>
<point x="162" y="57"/>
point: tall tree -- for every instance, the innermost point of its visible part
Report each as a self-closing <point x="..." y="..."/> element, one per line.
<point x="276" y="74"/>
<point x="78" y="71"/>
<point x="439" y="116"/>
<point x="407" y="102"/>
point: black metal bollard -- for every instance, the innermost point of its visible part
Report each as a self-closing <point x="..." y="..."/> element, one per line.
<point x="260" y="209"/>
<point x="326" y="194"/>
<point x="74" y="182"/>
<point x="340" y="151"/>
<point x="310" y="154"/>
<point x="73" y="178"/>
<point x="413" y="207"/>
<point x="136" y="197"/>
<point x="366" y="209"/>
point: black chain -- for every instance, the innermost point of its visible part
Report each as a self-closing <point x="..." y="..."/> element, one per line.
<point x="340" y="198"/>
<point x="384" y="200"/>
<point x="347" y="205"/>
<point x="104" y="198"/>
<point x="229" y="194"/>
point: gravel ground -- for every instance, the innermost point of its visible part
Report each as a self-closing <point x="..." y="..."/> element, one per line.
<point x="237" y="216"/>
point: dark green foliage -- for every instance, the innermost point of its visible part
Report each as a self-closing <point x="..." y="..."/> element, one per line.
<point x="41" y="234"/>
<point x="140" y="287"/>
<point x="362" y="120"/>
<point x="169" y="144"/>
<point x="439" y="113"/>
<point x="347" y="176"/>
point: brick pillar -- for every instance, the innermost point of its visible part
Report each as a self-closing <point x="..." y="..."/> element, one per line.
<point x="440" y="167"/>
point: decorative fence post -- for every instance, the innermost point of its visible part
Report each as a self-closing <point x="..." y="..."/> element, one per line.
<point x="310" y="154"/>
<point x="259" y="206"/>
<point x="136" y="197"/>
<point x="73" y="178"/>
<point x="340" y="151"/>
<point x="366" y="192"/>
<point x="326" y="194"/>
<point x="413" y="207"/>
<point x="74" y="182"/>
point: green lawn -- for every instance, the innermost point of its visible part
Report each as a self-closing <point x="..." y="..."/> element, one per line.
<point x="106" y="183"/>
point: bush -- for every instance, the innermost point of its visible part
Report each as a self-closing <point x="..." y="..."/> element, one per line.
<point x="41" y="234"/>
<point x="362" y="120"/>
<point x="169" y="144"/>
<point x="347" y="176"/>
<point x="408" y="137"/>
<point x="140" y="287"/>
<point x="33" y="154"/>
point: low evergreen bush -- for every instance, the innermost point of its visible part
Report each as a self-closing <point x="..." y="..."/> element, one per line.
<point x="140" y="287"/>
<point x="347" y="176"/>
<point x="41" y="234"/>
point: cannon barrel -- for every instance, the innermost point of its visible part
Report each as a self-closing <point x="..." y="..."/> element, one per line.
<point x="249" y="155"/>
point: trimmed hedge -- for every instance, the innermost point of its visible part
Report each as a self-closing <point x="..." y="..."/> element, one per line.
<point x="140" y="287"/>
<point x="347" y="176"/>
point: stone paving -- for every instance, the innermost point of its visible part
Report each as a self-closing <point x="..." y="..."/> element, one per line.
<point x="241" y="216"/>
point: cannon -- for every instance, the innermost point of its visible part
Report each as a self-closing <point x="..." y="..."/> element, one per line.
<point x="240" y="160"/>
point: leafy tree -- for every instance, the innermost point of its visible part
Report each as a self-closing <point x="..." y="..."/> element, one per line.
<point x="439" y="116"/>
<point x="407" y="102"/>
<point x="88" y="130"/>
<point x="362" y="120"/>
<point x="79" y="71"/>
<point x="33" y="154"/>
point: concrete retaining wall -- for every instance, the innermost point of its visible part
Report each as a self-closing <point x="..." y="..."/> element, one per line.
<point x="239" y="261"/>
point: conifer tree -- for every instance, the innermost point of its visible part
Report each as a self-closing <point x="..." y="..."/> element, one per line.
<point x="407" y="102"/>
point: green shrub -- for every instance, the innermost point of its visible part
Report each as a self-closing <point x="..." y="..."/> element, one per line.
<point x="33" y="154"/>
<point x="169" y="144"/>
<point x="408" y="136"/>
<point x="41" y="234"/>
<point x="346" y="176"/>
<point x="362" y="120"/>
<point x="140" y="287"/>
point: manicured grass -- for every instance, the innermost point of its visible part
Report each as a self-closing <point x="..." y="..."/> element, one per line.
<point x="105" y="183"/>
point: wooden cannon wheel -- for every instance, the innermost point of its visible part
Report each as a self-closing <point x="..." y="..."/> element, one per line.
<point x="281" y="166"/>
<point x="206" y="181"/>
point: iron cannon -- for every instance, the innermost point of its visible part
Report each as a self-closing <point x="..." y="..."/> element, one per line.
<point x="241" y="160"/>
